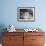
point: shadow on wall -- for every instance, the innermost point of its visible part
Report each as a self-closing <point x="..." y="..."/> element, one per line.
<point x="2" y="26"/>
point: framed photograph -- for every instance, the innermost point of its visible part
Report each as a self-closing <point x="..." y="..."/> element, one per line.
<point x="26" y="14"/>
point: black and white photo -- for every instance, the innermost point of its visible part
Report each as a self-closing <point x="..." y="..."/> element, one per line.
<point x="26" y="14"/>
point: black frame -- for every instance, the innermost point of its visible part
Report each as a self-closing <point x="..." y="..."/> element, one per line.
<point x="22" y="10"/>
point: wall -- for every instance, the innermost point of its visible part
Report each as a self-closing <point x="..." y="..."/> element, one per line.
<point x="8" y="13"/>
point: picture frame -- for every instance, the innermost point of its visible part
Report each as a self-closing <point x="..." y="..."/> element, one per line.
<point x="26" y="14"/>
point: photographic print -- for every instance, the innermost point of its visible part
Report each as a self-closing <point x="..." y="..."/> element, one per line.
<point x="26" y="14"/>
